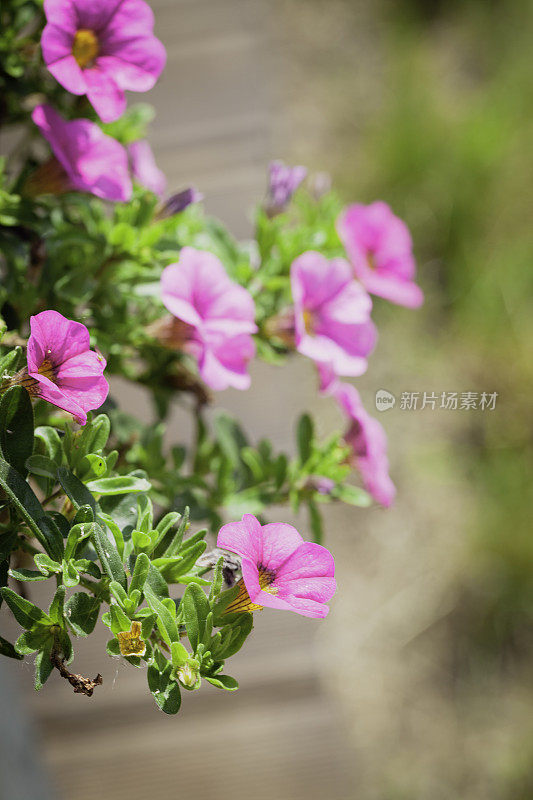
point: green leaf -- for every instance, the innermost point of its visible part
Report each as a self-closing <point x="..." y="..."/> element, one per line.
<point x="108" y="555"/>
<point x="24" y="574"/>
<point x="352" y="495"/>
<point x="76" y="491"/>
<point x="223" y="682"/>
<point x="304" y="437"/>
<point x="142" y="542"/>
<point x="28" y="506"/>
<point x="41" y="465"/>
<point x="81" y="611"/>
<point x="170" y="543"/>
<point x="118" y="593"/>
<point x="218" y="578"/>
<point x="26" y="614"/>
<point x="182" y="564"/>
<point x="119" y="621"/>
<point x="51" y="443"/>
<point x="113" y="648"/>
<point x="140" y="572"/>
<point x="167" y="624"/>
<point x="46" y="564"/>
<point x="230" y="438"/>
<point x="77" y="533"/>
<point x="156" y="582"/>
<point x="122" y="484"/>
<point x="7" y="649"/>
<point x="315" y="519"/>
<point x="93" y="466"/>
<point x="180" y="654"/>
<point x="233" y="637"/>
<point x="43" y="665"/>
<point x="31" y="641"/>
<point x="16" y="427"/>
<point x="116" y="533"/>
<point x="165" y="691"/>
<point x="145" y="514"/>
<point x="9" y="362"/>
<point x="195" y="610"/>
<point x="57" y="606"/>
<point x="99" y="433"/>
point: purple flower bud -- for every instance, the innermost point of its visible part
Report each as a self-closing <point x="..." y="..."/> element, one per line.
<point x="283" y="182"/>
<point x="179" y="202"/>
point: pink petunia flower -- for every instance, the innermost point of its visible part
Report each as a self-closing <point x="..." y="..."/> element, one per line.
<point x="145" y="170"/>
<point x="368" y="442"/>
<point x="102" y="48"/>
<point x="332" y="314"/>
<point x="283" y="182"/>
<point x="62" y="369"/>
<point x="218" y="317"/>
<point x="381" y="251"/>
<point x="279" y="569"/>
<point x="86" y="159"/>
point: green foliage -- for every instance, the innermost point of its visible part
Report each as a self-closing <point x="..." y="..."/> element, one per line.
<point x="114" y="516"/>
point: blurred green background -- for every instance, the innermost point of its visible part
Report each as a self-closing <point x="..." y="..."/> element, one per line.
<point x="429" y="106"/>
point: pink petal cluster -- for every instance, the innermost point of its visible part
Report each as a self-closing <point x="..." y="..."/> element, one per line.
<point x="280" y="570"/>
<point x="145" y="170"/>
<point x="332" y="314"/>
<point x="365" y="436"/>
<point x="64" y="369"/>
<point x="380" y="249"/>
<point x="219" y="314"/>
<point x="92" y="161"/>
<point x="101" y="48"/>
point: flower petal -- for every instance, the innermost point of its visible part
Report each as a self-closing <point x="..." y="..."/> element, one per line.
<point x="308" y="560"/>
<point x="104" y="94"/>
<point x="279" y="541"/>
<point x="55" y="338"/>
<point x="242" y="538"/>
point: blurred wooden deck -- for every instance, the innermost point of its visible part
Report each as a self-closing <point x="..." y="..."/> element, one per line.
<point x="281" y="735"/>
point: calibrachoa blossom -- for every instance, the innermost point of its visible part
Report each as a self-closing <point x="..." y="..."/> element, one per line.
<point x="62" y="369"/>
<point x="368" y="442"/>
<point x="87" y="159"/>
<point x="283" y="182"/>
<point x="332" y="314"/>
<point x="101" y="48"/>
<point x="218" y="317"/>
<point x="144" y="168"/>
<point x="380" y="248"/>
<point x="279" y="569"/>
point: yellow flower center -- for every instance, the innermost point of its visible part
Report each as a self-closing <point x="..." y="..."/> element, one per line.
<point x="242" y="602"/>
<point x="47" y="369"/>
<point x="85" y="47"/>
<point x="309" y="322"/>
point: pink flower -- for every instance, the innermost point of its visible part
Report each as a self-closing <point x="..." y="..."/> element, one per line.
<point x="144" y="168"/>
<point x="368" y="442"/>
<point x="380" y="248"/>
<point x="279" y="569"/>
<point x="62" y="368"/>
<point x="90" y="161"/>
<point x="219" y="315"/>
<point x="101" y="48"/>
<point x="332" y="314"/>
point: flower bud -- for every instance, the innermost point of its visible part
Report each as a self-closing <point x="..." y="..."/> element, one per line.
<point x="188" y="674"/>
